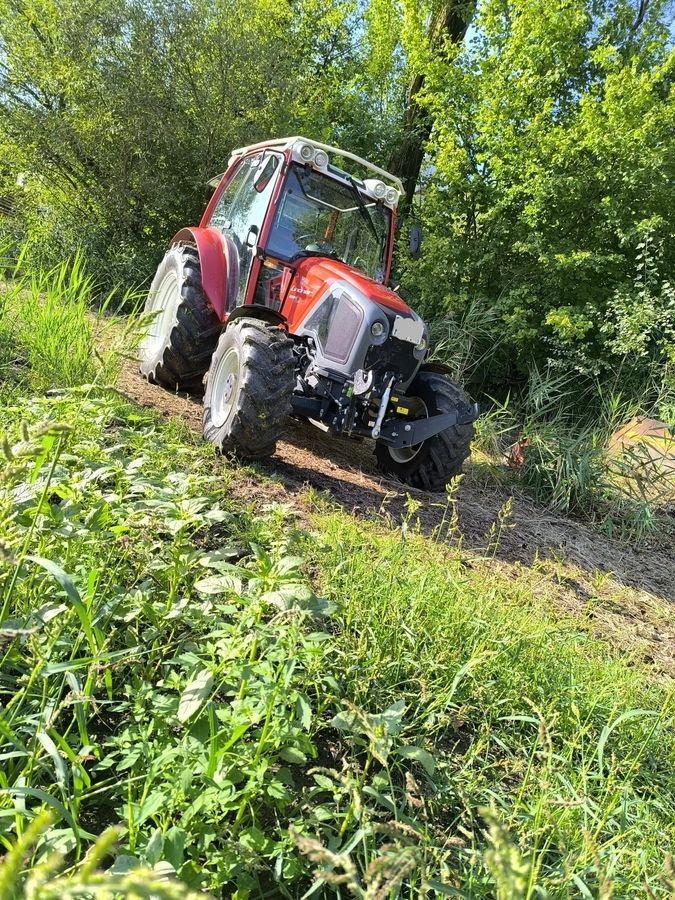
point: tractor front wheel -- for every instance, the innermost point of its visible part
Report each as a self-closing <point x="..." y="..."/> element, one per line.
<point x="183" y="331"/>
<point x="430" y="465"/>
<point x="249" y="388"/>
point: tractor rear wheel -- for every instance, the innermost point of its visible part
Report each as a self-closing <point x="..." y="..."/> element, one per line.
<point x="430" y="465"/>
<point x="183" y="333"/>
<point x="249" y="388"/>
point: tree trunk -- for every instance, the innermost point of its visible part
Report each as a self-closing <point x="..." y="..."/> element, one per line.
<point x="451" y="22"/>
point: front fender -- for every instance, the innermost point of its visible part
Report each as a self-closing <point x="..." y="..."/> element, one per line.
<point x="218" y="278"/>
<point x="440" y="368"/>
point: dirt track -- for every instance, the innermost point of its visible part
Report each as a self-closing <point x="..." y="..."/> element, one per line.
<point x="345" y="471"/>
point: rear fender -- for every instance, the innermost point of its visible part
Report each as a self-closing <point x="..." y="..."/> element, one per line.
<point x="218" y="283"/>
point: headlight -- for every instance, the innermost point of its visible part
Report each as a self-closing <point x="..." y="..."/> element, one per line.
<point x="321" y="159"/>
<point x="379" y="190"/>
<point x="307" y="152"/>
<point x="377" y="329"/>
<point x="422" y="344"/>
<point x="391" y="196"/>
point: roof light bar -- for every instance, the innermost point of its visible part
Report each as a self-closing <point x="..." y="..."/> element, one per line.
<point x="285" y="143"/>
<point x="380" y="191"/>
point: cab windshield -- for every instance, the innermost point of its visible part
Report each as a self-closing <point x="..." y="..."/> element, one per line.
<point x="317" y="215"/>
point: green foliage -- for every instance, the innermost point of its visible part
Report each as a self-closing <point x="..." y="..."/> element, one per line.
<point x="114" y="117"/>
<point x="552" y="158"/>
<point x="640" y="320"/>
<point x="468" y="341"/>
<point x="160" y="671"/>
<point x="52" y="335"/>
<point x="538" y="735"/>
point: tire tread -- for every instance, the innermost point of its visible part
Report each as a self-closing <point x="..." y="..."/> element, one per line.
<point x="265" y="388"/>
<point x="184" y="360"/>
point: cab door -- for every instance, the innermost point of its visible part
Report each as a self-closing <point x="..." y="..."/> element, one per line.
<point x="240" y="209"/>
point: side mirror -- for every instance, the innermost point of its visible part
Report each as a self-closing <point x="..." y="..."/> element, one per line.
<point x="265" y="172"/>
<point x="415" y="240"/>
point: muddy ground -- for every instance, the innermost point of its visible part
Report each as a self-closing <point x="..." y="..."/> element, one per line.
<point x="623" y="592"/>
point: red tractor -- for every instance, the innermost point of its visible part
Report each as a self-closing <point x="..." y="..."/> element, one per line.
<point x="280" y="298"/>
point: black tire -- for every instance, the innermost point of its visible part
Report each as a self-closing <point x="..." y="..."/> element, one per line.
<point x="438" y="459"/>
<point x="177" y="350"/>
<point x="249" y="388"/>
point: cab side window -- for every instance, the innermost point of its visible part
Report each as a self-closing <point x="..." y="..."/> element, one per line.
<point x="220" y="217"/>
<point x="241" y="208"/>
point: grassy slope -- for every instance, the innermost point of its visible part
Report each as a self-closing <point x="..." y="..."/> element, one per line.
<point x="525" y="714"/>
<point x="431" y="729"/>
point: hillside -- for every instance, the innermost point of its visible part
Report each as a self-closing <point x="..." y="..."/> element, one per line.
<point x="266" y="695"/>
<point x="294" y="679"/>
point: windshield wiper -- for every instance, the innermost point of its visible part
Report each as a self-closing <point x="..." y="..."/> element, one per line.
<point x="363" y="209"/>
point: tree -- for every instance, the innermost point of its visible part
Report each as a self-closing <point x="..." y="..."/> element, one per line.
<point x="446" y="29"/>
<point x="117" y="113"/>
<point x="554" y="153"/>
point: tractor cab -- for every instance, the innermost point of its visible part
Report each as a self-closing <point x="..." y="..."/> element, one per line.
<point x="284" y="201"/>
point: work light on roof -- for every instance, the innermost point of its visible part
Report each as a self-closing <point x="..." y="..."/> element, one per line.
<point x="321" y="159"/>
<point x="307" y="152"/>
<point x="381" y="191"/>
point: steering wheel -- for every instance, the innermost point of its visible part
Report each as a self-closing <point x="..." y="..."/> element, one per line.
<point x="323" y="248"/>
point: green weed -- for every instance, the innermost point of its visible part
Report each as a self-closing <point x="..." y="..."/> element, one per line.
<point x="541" y="763"/>
<point x="162" y="656"/>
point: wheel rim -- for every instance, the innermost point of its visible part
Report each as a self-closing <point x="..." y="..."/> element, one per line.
<point x="162" y="305"/>
<point x="405" y="454"/>
<point x="224" y="381"/>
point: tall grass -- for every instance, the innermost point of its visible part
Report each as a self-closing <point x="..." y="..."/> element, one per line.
<point x="58" y="329"/>
<point x="542" y="764"/>
<point x="567" y="458"/>
<point x="467" y="342"/>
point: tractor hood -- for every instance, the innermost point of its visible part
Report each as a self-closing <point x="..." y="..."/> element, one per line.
<point x="313" y="273"/>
